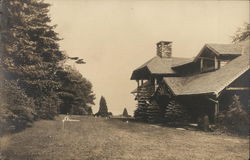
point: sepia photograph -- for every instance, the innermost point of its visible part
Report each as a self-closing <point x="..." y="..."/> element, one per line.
<point x="124" y="79"/>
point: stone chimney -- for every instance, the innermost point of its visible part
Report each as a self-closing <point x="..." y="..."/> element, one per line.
<point x="164" y="49"/>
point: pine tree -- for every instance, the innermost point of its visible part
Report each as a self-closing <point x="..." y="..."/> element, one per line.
<point x="140" y="113"/>
<point x="154" y="112"/>
<point x="236" y="114"/>
<point x="236" y="118"/>
<point x="33" y="60"/>
<point x="103" y="109"/>
<point x="16" y="109"/>
<point x="143" y="97"/>
<point x="75" y="92"/>
<point x="174" y="112"/>
<point x="31" y="53"/>
<point x="125" y="113"/>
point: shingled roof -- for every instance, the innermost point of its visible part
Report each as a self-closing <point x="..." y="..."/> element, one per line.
<point x="218" y="49"/>
<point x="210" y="82"/>
<point x="158" y="65"/>
<point x="225" y="48"/>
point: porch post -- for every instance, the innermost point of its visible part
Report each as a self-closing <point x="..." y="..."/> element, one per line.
<point x="201" y="65"/>
<point x="216" y="108"/>
<point x="215" y="63"/>
<point x="155" y="84"/>
<point x="138" y="84"/>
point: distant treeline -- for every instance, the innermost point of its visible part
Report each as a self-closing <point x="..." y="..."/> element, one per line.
<point x="35" y="82"/>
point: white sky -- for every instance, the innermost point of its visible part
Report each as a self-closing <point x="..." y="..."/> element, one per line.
<point x="115" y="37"/>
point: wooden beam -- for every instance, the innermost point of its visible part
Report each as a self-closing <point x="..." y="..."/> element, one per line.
<point x="138" y="84"/>
<point x="206" y="58"/>
<point x="201" y="65"/>
<point x="213" y="100"/>
<point x="216" y="106"/>
<point x="216" y="111"/>
<point x="238" y="89"/>
<point x="215" y="63"/>
<point x="155" y="84"/>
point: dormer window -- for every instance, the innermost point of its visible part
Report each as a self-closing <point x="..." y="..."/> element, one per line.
<point x="209" y="64"/>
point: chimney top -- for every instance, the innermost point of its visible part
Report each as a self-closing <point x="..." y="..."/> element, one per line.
<point x="164" y="42"/>
<point x="164" y="49"/>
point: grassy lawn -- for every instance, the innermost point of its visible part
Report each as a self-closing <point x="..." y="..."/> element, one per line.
<point x="101" y="139"/>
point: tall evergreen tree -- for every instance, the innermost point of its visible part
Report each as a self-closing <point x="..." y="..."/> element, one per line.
<point x="103" y="109"/>
<point x="31" y="52"/>
<point x="76" y="92"/>
<point x="31" y="59"/>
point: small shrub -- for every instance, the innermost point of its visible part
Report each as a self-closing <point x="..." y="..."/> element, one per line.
<point x="176" y="113"/>
<point x="236" y="119"/>
<point x="125" y="113"/>
<point x="140" y="113"/>
<point x="15" y="118"/>
<point x="16" y="109"/>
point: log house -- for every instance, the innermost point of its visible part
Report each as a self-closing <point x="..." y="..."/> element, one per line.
<point x="204" y="84"/>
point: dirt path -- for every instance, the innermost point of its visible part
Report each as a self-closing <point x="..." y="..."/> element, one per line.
<point x="101" y="139"/>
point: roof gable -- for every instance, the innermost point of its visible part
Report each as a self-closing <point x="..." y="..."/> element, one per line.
<point x="225" y="48"/>
<point x="211" y="82"/>
<point x="161" y="66"/>
<point x="221" y="49"/>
